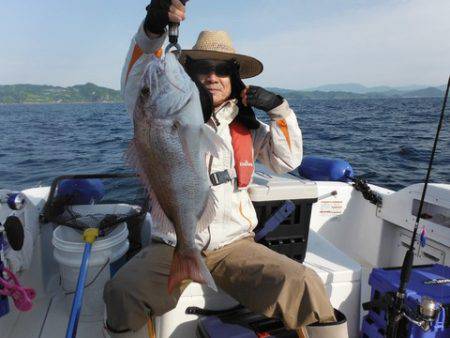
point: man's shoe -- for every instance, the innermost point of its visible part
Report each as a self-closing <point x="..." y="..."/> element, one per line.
<point x="336" y="329"/>
<point x="147" y="331"/>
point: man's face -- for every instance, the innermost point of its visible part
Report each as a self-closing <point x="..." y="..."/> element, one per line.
<point x="214" y="76"/>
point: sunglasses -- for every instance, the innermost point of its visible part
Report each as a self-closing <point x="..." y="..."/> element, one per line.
<point x="220" y="68"/>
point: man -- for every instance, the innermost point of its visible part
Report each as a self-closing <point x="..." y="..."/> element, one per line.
<point x="259" y="278"/>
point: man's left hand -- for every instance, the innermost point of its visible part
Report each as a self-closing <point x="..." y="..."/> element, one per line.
<point x="260" y="98"/>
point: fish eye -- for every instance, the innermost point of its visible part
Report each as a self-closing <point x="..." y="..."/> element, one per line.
<point x="145" y="91"/>
<point x="175" y="125"/>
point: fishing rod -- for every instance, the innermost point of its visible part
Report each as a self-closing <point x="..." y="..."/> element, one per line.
<point x="396" y="312"/>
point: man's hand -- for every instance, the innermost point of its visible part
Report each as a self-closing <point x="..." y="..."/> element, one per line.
<point x="160" y="13"/>
<point x="260" y="98"/>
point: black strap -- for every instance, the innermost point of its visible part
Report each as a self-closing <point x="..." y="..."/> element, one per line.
<point x="220" y="177"/>
<point x="194" y="310"/>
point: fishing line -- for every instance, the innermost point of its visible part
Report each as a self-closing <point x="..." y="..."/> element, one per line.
<point x="396" y="312"/>
<point x="441" y="122"/>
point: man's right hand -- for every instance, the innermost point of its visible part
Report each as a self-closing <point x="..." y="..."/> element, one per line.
<point x="160" y="13"/>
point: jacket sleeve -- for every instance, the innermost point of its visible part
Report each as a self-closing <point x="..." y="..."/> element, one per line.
<point x="141" y="49"/>
<point x="279" y="146"/>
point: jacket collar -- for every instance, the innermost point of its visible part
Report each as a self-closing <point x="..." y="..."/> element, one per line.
<point x="225" y="113"/>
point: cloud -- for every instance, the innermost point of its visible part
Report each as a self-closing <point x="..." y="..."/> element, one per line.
<point x="398" y="43"/>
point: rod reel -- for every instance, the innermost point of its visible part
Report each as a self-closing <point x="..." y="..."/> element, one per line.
<point x="428" y="308"/>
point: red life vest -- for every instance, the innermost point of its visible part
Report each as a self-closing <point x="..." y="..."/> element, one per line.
<point x="244" y="164"/>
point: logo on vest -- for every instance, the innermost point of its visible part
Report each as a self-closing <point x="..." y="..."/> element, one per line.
<point x="245" y="164"/>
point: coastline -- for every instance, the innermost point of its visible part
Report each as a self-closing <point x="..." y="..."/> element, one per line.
<point x="287" y="96"/>
<point x="56" y="103"/>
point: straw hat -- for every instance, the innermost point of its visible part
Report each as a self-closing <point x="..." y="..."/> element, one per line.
<point x="217" y="45"/>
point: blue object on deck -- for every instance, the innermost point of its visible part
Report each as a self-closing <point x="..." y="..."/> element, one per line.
<point x="242" y="323"/>
<point x="425" y="281"/>
<point x="71" y="331"/>
<point x="218" y="329"/>
<point x="81" y="191"/>
<point x="4" y="304"/>
<point x="325" y="169"/>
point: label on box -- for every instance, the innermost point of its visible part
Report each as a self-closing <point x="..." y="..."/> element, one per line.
<point x="334" y="207"/>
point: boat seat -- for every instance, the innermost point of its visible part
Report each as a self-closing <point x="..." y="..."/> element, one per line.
<point x="176" y="323"/>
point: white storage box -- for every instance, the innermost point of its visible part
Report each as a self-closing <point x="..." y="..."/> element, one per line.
<point x="340" y="274"/>
<point x="178" y="324"/>
<point x="267" y="186"/>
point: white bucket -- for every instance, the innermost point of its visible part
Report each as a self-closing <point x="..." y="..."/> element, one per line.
<point x="68" y="252"/>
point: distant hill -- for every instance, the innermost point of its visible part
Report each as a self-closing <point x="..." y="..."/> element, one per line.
<point x="426" y="92"/>
<point x="89" y="92"/>
<point x="361" y="89"/>
<point x="340" y="95"/>
<point x="26" y="93"/>
<point x="349" y="87"/>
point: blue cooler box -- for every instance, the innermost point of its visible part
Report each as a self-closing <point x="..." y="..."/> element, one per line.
<point x="387" y="280"/>
<point x="242" y="323"/>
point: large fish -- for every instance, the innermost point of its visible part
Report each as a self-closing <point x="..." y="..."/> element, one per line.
<point x="169" y="150"/>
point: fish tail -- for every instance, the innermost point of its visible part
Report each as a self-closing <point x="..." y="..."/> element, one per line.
<point x="189" y="265"/>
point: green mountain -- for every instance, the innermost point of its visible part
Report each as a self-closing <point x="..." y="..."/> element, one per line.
<point x="89" y="92"/>
<point x="26" y="93"/>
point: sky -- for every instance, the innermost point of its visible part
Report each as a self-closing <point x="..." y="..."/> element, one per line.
<point x="302" y="43"/>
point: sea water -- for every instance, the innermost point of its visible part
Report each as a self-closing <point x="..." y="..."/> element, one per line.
<point x="388" y="141"/>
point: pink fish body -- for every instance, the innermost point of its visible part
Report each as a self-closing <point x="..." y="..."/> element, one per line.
<point x="168" y="150"/>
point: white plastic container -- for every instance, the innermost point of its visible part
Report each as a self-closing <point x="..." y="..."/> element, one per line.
<point x="340" y="274"/>
<point x="68" y="252"/>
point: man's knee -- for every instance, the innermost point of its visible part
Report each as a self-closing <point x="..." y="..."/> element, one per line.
<point x="293" y="272"/>
<point x="124" y="310"/>
<point x="129" y="307"/>
<point x="114" y="293"/>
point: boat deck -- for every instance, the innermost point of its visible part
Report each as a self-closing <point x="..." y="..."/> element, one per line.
<point x="49" y="318"/>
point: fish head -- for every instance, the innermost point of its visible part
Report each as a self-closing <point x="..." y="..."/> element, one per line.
<point x="166" y="89"/>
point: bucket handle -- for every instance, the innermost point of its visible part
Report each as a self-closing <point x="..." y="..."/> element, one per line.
<point x="67" y="292"/>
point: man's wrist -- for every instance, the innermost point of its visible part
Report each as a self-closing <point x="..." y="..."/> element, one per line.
<point x="149" y="43"/>
<point x="280" y="112"/>
<point x="152" y="35"/>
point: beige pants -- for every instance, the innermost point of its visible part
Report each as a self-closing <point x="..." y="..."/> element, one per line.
<point x="261" y="279"/>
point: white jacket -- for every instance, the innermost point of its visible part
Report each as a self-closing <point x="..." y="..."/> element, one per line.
<point x="278" y="146"/>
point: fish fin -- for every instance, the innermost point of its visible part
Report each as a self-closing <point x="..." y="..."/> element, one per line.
<point x="189" y="265"/>
<point x="208" y="213"/>
<point x="159" y="217"/>
<point x="134" y="159"/>
<point x="212" y="142"/>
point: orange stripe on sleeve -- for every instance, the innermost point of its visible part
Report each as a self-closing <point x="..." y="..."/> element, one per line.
<point x="284" y="129"/>
<point x="158" y="53"/>
<point x="137" y="53"/>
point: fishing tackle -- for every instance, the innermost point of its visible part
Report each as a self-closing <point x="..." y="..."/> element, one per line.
<point x="396" y="311"/>
<point x="10" y="286"/>
<point x="9" y="283"/>
<point x="173" y="35"/>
